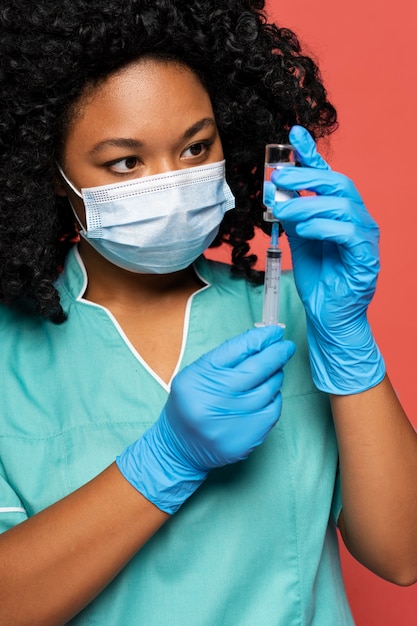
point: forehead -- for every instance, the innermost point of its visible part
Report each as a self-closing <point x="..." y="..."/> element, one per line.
<point x="145" y="92"/>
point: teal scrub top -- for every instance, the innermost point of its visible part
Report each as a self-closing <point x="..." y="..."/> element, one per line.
<point x="256" y="544"/>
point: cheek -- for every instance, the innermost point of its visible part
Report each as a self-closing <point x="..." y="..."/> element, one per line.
<point x="217" y="151"/>
<point x="78" y="208"/>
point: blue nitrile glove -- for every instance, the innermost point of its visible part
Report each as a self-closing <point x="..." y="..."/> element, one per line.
<point x="334" y="247"/>
<point x="219" y="409"/>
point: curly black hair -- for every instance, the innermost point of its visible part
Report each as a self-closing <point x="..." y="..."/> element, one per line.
<point x="259" y="81"/>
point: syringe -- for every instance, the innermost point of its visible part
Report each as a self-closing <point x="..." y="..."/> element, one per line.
<point x="276" y="156"/>
<point x="272" y="279"/>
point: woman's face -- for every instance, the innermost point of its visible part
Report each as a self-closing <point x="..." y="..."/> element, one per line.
<point x="150" y="117"/>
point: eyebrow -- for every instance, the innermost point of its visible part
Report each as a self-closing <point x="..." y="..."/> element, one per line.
<point x="134" y="144"/>
<point x="195" y="128"/>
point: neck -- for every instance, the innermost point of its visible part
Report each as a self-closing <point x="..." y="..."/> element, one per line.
<point x="108" y="283"/>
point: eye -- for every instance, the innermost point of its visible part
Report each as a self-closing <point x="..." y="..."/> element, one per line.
<point x="125" y="165"/>
<point x="196" y="150"/>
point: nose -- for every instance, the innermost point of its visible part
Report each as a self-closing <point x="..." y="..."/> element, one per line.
<point x="162" y="165"/>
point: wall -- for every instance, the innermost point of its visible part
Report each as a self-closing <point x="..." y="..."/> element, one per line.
<point x="366" y="54"/>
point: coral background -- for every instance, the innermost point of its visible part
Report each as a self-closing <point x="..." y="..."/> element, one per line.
<point x="367" y="58"/>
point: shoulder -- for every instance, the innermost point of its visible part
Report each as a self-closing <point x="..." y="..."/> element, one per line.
<point x="219" y="273"/>
<point x="229" y="287"/>
<point x="17" y="317"/>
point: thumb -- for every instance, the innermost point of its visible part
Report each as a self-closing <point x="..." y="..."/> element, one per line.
<point x="305" y="147"/>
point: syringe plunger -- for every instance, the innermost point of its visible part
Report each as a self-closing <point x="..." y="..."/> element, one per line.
<point x="271" y="287"/>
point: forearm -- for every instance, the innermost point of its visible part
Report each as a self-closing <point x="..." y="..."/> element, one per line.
<point x="378" y="463"/>
<point x="56" y="562"/>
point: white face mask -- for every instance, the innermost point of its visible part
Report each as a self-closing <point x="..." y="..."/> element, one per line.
<point x="157" y="224"/>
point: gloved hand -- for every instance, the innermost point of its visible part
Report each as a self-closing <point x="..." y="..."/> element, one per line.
<point x="334" y="247"/>
<point x="219" y="409"/>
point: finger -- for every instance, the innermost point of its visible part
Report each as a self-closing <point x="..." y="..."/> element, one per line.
<point x="261" y="424"/>
<point x="252" y="434"/>
<point x="301" y="209"/>
<point x="257" y="369"/>
<point x="322" y="182"/>
<point x="248" y="402"/>
<point x="237" y="349"/>
<point x="267" y="418"/>
<point x="345" y="234"/>
<point x="266" y="393"/>
<point x="251" y="373"/>
<point x="305" y="148"/>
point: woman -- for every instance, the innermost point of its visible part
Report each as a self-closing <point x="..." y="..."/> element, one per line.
<point x="122" y="123"/>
